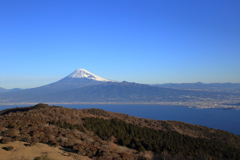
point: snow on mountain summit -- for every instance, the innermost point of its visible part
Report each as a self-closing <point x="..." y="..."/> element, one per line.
<point x="82" y="73"/>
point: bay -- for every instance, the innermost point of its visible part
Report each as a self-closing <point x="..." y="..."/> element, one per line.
<point x="224" y="119"/>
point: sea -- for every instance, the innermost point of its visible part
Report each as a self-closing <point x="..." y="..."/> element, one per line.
<point x="224" y="119"/>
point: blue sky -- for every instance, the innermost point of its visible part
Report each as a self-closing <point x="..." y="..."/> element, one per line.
<point x="143" y="41"/>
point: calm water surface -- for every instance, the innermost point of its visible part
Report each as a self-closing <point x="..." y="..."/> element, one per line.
<point x="224" y="119"/>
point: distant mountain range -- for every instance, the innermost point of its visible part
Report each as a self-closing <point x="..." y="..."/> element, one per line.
<point x="82" y="86"/>
<point x="76" y="79"/>
<point x="199" y="85"/>
<point x="9" y="90"/>
<point x="122" y="92"/>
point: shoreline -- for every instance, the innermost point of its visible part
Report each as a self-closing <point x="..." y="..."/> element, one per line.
<point x="183" y="104"/>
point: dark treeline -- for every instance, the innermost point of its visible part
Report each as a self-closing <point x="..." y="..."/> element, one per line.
<point x="142" y="138"/>
<point x="67" y="125"/>
<point x="23" y="109"/>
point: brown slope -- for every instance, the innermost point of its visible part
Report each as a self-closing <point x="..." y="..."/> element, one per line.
<point x="47" y="124"/>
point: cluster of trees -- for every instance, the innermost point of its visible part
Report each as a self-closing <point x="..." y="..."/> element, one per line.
<point x="67" y="125"/>
<point x="142" y="138"/>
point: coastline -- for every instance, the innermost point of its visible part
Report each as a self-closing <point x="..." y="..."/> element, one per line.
<point x="183" y="104"/>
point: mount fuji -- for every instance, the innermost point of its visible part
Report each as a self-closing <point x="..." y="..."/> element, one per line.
<point x="82" y="73"/>
<point x="77" y="79"/>
<point x="81" y="86"/>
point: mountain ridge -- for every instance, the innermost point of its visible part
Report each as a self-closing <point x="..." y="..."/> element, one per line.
<point x="122" y="92"/>
<point x="82" y="86"/>
<point x="200" y="85"/>
<point x="78" y="78"/>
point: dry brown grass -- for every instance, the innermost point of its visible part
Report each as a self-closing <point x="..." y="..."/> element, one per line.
<point x="22" y="151"/>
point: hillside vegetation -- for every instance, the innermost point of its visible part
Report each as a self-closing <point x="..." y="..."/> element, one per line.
<point x="99" y="134"/>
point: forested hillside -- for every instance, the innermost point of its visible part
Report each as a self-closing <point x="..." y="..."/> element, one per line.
<point x="99" y="134"/>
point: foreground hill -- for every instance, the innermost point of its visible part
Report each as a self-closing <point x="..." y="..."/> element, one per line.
<point x="99" y="134"/>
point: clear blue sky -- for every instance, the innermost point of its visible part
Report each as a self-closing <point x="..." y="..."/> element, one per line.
<point x="142" y="41"/>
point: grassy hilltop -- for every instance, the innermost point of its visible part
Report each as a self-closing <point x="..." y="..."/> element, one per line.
<point x="99" y="134"/>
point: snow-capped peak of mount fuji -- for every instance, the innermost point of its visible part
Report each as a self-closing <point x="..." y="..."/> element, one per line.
<point x="82" y="73"/>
